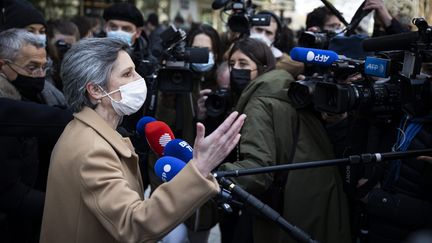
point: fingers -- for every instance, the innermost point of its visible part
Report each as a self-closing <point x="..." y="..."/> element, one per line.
<point x="301" y="77"/>
<point x="205" y="92"/>
<point x="199" y="135"/>
<point x="314" y="29"/>
<point x="225" y="125"/>
<point x="235" y="128"/>
<point x="233" y="143"/>
<point x="202" y="100"/>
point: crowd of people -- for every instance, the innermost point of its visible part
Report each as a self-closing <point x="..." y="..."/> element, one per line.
<point x="73" y="167"/>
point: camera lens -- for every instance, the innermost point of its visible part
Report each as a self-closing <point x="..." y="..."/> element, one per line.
<point x="218" y="103"/>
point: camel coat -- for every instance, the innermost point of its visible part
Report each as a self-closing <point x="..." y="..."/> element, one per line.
<point x="95" y="192"/>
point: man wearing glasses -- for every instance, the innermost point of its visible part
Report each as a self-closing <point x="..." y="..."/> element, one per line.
<point x="22" y="77"/>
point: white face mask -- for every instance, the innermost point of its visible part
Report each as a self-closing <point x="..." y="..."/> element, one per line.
<point x="133" y="96"/>
<point x="261" y="37"/>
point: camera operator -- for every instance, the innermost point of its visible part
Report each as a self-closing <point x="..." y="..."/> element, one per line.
<point x="401" y="204"/>
<point x="271" y="35"/>
<point x="385" y="24"/>
<point x="61" y="35"/>
<point x="275" y="132"/>
<point x="322" y="19"/>
<point x="202" y="36"/>
<point x="178" y="110"/>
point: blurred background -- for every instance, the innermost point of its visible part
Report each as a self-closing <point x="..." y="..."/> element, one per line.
<point x="293" y="12"/>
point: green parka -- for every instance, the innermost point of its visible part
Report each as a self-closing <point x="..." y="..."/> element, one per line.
<point x="313" y="199"/>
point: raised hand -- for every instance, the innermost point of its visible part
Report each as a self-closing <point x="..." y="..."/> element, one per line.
<point x="211" y="150"/>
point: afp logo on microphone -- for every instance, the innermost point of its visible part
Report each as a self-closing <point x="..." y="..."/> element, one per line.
<point x="310" y="56"/>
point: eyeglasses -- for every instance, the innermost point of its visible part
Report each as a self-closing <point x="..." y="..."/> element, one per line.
<point x="32" y="70"/>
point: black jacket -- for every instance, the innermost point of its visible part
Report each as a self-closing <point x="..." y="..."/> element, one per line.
<point x="403" y="204"/>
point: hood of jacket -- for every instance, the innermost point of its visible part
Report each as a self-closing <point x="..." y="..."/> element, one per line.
<point x="271" y="84"/>
<point x="7" y="90"/>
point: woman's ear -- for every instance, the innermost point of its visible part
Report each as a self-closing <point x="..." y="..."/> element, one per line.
<point x="94" y="91"/>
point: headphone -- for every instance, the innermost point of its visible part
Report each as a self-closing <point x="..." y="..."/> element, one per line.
<point x="278" y="23"/>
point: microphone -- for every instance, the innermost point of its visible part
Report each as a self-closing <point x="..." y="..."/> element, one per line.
<point x="179" y="149"/>
<point x="314" y="56"/>
<point x="218" y="4"/>
<point x="400" y="41"/>
<point x="158" y="134"/>
<point x="167" y="167"/>
<point x="140" y="126"/>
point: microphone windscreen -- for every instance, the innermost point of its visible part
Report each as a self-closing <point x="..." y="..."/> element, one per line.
<point x="314" y="56"/>
<point x="158" y="134"/>
<point x="167" y="167"/>
<point x="140" y="126"/>
<point x="179" y="149"/>
<point x="399" y="41"/>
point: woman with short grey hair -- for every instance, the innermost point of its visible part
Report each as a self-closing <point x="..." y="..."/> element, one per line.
<point x="95" y="191"/>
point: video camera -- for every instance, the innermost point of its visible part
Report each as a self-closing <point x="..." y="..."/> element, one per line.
<point x="242" y="16"/>
<point x="405" y="88"/>
<point x="321" y="40"/>
<point x="171" y="60"/>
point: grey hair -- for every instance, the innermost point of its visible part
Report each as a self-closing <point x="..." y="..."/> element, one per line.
<point x="13" y="40"/>
<point x="89" y="61"/>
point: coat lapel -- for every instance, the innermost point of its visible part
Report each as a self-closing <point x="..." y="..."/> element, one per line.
<point x="92" y="119"/>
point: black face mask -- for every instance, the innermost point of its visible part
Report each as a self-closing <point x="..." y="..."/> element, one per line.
<point x="29" y="86"/>
<point x="239" y="79"/>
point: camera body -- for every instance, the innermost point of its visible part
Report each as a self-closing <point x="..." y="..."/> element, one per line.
<point x="62" y="47"/>
<point x="171" y="59"/>
<point x="403" y="89"/>
<point x="242" y="16"/>
<point x="377" y="98"/>
<point x="219" y="102"/>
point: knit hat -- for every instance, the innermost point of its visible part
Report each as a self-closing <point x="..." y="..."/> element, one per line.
<point x="20" y="13"/>
<point x="124" y="11"/>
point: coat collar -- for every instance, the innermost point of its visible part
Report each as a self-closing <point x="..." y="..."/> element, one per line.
<point x="7" y="90"/>
<point x="122" y="145"/>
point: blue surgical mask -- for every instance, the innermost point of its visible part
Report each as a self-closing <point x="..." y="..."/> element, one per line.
<point x="204" y="67"/>
<point x="41" y="38"/>
<point x="121" y="35"/>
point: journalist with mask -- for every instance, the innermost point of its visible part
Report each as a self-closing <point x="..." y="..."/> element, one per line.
<point x="276" y="133"/>
<point x="178" y="110"/>
<point x="95" y="191"/>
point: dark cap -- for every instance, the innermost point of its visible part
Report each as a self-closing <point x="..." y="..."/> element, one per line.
<point x="124" y="11"/>
<point x="20" y="13"/>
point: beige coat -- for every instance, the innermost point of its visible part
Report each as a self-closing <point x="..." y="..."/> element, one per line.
<point x="95" y="193"/>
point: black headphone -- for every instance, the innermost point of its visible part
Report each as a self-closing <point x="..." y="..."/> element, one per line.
<point x="278" y="23"/>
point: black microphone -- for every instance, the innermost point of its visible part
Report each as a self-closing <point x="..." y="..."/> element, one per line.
<point x="400" y="41"/>
<point x="218" y="4"/>
<point x="267" y="211"/>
